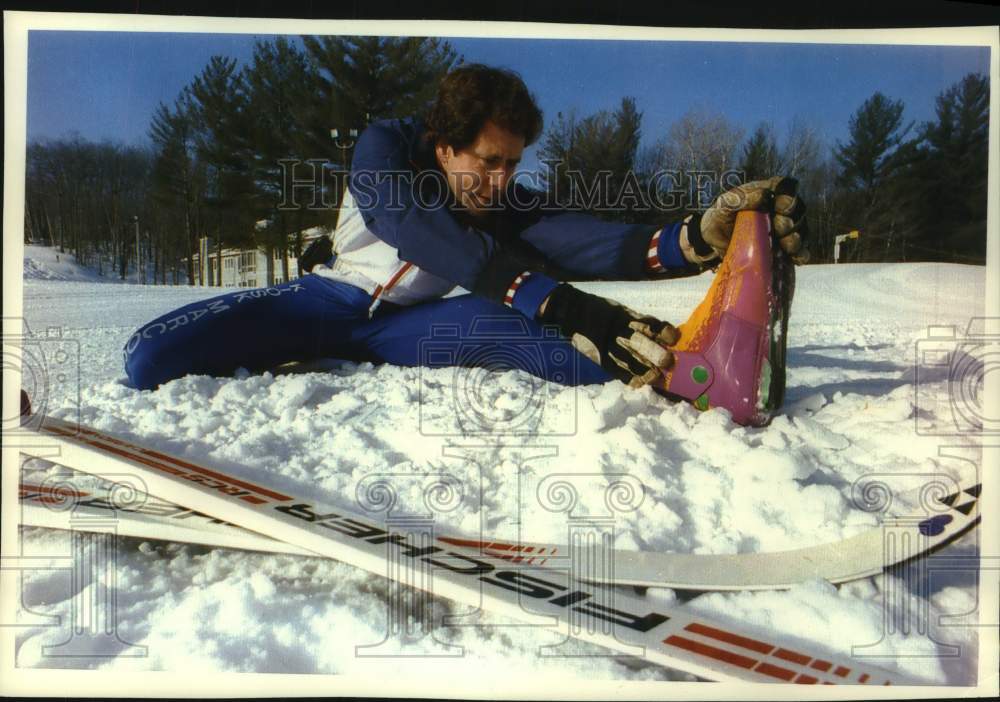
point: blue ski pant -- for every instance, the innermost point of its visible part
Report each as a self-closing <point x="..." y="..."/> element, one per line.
<point x="314" y="318"/>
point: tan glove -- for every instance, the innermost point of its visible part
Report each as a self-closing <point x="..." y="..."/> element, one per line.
<point x="776" y="195"/>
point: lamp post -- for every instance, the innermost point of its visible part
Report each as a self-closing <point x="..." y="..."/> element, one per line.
<point x="344" y="144"/>
<point x="347" y="141"/>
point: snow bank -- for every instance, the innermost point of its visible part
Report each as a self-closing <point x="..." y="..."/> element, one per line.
<point x="528" y="459"/>
<point x="47" y="263"/>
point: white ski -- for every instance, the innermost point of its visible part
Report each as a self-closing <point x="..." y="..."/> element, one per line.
<point x="78" y="497"/>
<point x="542" y="594"/>
<point x="74" y="501"/>
<point x="860" y="556"/>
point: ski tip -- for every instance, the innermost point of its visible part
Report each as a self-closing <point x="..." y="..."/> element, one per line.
<point x="25" y="404"/>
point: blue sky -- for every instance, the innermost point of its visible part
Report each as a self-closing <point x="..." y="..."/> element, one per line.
<point x="106" y="85"/>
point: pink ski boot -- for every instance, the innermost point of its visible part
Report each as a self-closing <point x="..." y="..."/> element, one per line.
<point x="731" y="352"/>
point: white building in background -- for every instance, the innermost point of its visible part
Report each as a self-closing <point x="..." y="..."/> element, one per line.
<point x="248" y="268"/>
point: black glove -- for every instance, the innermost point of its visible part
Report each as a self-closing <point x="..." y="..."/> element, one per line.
<point x="319" y="251"/>
<point x="627" y="345"/>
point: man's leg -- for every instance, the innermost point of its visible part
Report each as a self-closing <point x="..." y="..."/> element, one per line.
<point x="470" y="331"/>
<point x="257" y="329"/>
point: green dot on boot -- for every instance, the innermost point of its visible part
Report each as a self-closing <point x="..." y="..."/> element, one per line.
<point x="699" y="374"/>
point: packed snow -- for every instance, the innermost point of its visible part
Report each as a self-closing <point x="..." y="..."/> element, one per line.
<point x="528" y="458"/>
<point x="52" y="263"/>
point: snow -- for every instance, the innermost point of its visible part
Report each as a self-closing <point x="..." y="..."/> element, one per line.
<point x="520" y="458"/>
<point x="48" y="263"/>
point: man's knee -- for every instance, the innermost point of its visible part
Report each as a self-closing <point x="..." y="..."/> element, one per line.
<point x="159" y="352"/>
<point x="147" y="363"/>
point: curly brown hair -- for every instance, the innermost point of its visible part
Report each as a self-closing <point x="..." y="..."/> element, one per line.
<point x="473" y="94"/>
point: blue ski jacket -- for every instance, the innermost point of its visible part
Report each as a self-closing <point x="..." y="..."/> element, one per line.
<point x="400" y="234"/>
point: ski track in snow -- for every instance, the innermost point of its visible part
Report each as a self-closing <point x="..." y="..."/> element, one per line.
<point x="524" y="459"/>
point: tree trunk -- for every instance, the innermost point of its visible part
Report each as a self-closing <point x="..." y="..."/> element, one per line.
<point x="190" y="244"/>
<point x="57" y="232"/>
<point x="74" y="234"/>
<point x="28" y="227"/>
<point x="123" y="264"/>
<point x="48" y="227"/>
<point x="154" y="255"/>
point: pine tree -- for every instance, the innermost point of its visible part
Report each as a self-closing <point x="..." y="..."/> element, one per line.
<point x="366" y="78"/>
<point x="555" y="156"/>
<point x="626" y="186"/>
<point x="357" y="80"/>
<point x="946" y="178"/>
<point x="868" y="161"/>
<point x="278" y="86"/>
<point x="760" y="154"/>
<point x="177" y="180"/>
<point x="592" y="162"/>
<point x="222" y="139"/>
<point x="876" y="130"/>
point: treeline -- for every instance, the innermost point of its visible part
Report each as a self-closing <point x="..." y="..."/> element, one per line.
<point x="221" y="157"/>
<point x="83" y="197"/>
<point x="912" y="193"/>
<point x="217" y="164"/>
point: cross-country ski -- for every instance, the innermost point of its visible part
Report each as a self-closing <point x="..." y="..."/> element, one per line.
<point x="64" y="500"/>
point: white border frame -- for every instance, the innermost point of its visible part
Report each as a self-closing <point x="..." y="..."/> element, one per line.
<point x="56" y="682"/>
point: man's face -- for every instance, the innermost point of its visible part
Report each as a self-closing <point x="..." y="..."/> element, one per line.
<point x="479" y="173"/>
